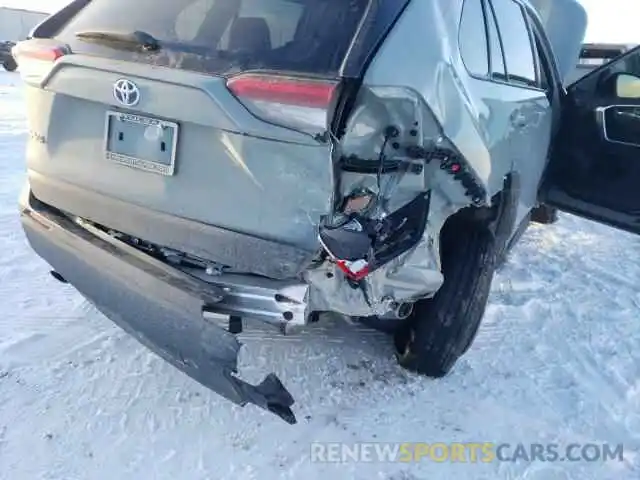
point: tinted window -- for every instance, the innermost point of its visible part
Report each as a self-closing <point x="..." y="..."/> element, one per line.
<point x="516" y="42"/>
<point x="473" y="38"/>
<point x="226" y="36"/>
<point x="498" y="70"/>
<point x="545" y="68"/>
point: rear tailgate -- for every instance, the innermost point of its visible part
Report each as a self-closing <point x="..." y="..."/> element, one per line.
<point x="225" y="124"/>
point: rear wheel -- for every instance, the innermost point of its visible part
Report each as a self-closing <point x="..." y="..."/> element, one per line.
<point x="440" y="330"/>
<point x="10" y="64"/>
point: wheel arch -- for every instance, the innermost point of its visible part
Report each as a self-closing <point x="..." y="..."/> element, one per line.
<point x="499" y="217"/>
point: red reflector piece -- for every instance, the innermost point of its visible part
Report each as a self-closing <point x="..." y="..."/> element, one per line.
<point x="455" y="168"/>
<point x="356" y="270"/>
<point x="285" y="90"/>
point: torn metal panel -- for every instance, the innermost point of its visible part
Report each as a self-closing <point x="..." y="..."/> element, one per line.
<point x="398" y="180"/>
<point x="411" y="276"/>
<point x="394" y="146"/>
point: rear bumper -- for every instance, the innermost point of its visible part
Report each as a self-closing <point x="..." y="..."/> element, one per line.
<point x="160" y="306"/>
<point x="237" y="250"/>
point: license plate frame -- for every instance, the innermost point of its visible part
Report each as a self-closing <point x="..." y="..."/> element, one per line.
<point x="148" y="124"/>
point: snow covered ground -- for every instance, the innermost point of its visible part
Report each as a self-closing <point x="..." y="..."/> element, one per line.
<point x="556" y="361"/>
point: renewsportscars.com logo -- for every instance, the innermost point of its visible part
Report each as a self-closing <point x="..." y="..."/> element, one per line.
<point x="470" y="452"/>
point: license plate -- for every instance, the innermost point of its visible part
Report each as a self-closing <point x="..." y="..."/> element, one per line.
<point x="141" y="142"/>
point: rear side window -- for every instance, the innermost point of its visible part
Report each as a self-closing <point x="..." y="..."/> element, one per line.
<point x="473" y="38"/>
<point x="518" y="49"/>
<point x="225" y="36"/>
<point x="498" y="70"/>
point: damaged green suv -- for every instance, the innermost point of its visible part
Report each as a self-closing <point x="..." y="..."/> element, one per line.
<point x="199" y="160"/>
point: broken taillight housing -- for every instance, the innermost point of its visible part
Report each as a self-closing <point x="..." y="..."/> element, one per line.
<point x="356" y="270"/>
<point x="298" y="103"/>
<point x="35" y="58"/>
<point x="361" y="245"/>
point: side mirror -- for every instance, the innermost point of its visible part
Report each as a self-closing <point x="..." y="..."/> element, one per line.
<point x="627" y="86"/>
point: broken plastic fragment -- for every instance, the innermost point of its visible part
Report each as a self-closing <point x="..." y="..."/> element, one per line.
<point x="357" y="203"/>
<point x="347" y="242"/>
<point x="356" y="270"/>
<point x="362" y="245"/>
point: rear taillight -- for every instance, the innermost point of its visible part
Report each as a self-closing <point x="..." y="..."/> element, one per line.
<point x="35" y="58"/>
<point x="288" y="101"/>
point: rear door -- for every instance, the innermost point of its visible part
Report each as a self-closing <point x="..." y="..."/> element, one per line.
<point x="209" y="110"/>
<point x="594" y="171"/>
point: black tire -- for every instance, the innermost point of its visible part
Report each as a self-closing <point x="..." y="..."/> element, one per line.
<point x="10" y="64"/>
<point x="544" y="214"/>
<point x="442" y="329"/>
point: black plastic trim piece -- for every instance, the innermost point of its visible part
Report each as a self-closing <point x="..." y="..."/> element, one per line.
<point x="156" y="304"/>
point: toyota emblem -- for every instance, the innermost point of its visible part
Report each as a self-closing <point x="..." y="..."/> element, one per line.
<point x="126" y="92"/>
